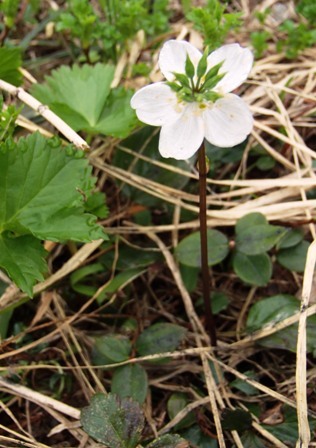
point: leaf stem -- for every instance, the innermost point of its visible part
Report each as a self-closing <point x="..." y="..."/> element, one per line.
<point x="209" y="317"/>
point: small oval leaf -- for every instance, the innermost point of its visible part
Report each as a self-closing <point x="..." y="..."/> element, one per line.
<point x="130" y="381"/>
<point x="253" y="269"/>
<point x="160" y="338"/>
<point x="258" y="239"/>
<point x="110" y="349"/>
<point x="188" y="251"/>
<point x="294" y="258"/>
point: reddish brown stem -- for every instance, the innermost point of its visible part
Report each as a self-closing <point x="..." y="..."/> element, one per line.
<point x="209" y="317"/>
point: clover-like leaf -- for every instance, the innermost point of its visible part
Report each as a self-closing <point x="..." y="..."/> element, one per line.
<point x="42" y="186"/>
<point x="115" y="422"/>
<point x="82" y="96"/>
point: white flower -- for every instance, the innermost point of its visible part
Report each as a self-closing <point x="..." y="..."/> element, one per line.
<point x="188" y="114"/>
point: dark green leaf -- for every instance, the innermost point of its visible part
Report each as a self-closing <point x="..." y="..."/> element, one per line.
<point x="258" y="239"/>
<point x="160" y="338"/>
<point x="111" y="349"/>
<point x="188" y="251"/>
<point x="169" y="441"/>
<point x="271" y="310"/>
<point x="251" y="440"/>
<point x="253" y="269"/>
<point x="291" y="238"/>
<point x="176" y="403"/>
<point x="83" y="274"/>
<point x="249" y="221"/>
<point x="119" y="282"/>
<point x="23" y="258"/>
<point x="294" y="258"/>
<point x="189" y="276"/>
<point x="198" y="438"/>
<point x="243" y="386"/>
<point x="130" y="381"/>
<point x="11" y="61"/>
<point x="274" y="309"/>
<point x="236" y="420"/>
<point x="287" y="431"/>
<point x="115" y="422"/>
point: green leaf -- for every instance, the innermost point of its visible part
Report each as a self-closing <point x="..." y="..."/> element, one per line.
<point x="83" y="274"/>
<point x="82" y="96"/>
<point x="119" y="282"/>
<point x="236" y="420"/>
<point x="250" y="440"/>
<point x="40" y="182"/>
<point x="169" y="441"/>
<point x="243" y="386"/>
<point x="188" y="251"/>
<point x="22" y="257"/>
<point x="287" y="431"/>
<point x="253" y="269"/>
<point x="130" y="381"/>
<point x="115" y="422"/>
<point x="294" y="258"/>
<point x="249" y="221"/>
<point x="176" y="403"/>
<point x="271" y="310"/>
<point x="11" y="61"/>
<point x="198" y="438"/>
<point x="291" y="238"/>
<point x="274" y="309"/>
<point x="160" y="338"/>
<point x="258" y="239"/>
<point x="111" y="349"/>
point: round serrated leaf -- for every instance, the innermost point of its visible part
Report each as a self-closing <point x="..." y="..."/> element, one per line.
<point x="160" y="338"/>
<point x="188" y="251"/>
<point x="110" y="349"/>
<point x="115" y="422"/>
<point x="130" y="381"/>
<point x="294" y="258"/>
<point x="253" y="269"/>
<point x="258" y="239"/>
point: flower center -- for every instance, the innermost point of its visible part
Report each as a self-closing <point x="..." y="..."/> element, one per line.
<point x="197" y="84"/>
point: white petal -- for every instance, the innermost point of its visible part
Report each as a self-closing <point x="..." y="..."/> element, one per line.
<point x="183" y="138"/>
<point x="173" y="55"/>
<point x="156" y="104"/>
<point x="228" y="122"/>
<point x="237" y="65"/>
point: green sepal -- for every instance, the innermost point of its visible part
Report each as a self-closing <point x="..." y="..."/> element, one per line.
<point x="189" y="67"/>
<point x="202" y="65"/>
<point x="212" y="82"/>
<point x="174" y="86"/>
<point x="182" y="79"/>
<point x="213" y="71"/>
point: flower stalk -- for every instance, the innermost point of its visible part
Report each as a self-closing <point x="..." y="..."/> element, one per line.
<point x="209" y="317"/>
